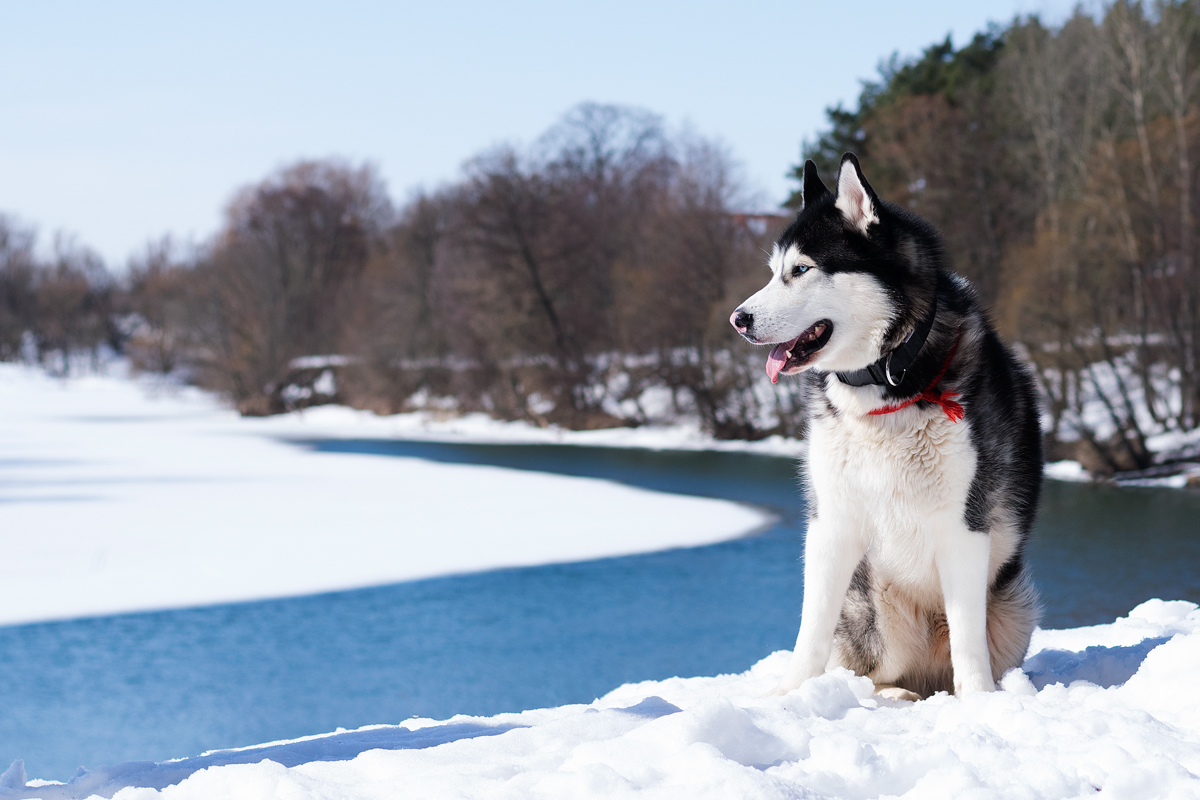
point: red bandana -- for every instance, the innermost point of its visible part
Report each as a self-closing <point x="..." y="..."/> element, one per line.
<point x="954" y="411"/>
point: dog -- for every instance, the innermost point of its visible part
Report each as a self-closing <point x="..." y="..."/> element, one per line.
<point x="924" y="461"/>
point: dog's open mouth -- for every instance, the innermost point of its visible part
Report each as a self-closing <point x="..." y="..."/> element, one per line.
<point x="787" y="357"/>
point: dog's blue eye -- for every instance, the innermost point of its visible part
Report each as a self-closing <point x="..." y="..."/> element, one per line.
<point x="800" y="269"/>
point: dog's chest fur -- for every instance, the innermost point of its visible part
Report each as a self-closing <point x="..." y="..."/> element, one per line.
<point x="898" y="478"/>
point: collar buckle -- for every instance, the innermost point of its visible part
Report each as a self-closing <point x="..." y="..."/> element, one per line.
<point x="880" y="372"/>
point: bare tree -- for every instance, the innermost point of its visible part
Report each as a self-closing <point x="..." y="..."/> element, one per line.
<point x="394" y="326"/>
<point x="1179" y="31"/>
<point x="275" y="278"/>
<point x="74" y="306"/>
<point x="18" y="309"/>
<point x="158" y="304"/>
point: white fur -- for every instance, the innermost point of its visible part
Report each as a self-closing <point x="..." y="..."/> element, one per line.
<point x="790" y="304"/>
<point x="853" y="200"/>
<point x="895" y="487"/>
<point x="962" y="561"/>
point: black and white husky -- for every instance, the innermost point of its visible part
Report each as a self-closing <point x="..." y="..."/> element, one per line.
<point x="924" y="463"/>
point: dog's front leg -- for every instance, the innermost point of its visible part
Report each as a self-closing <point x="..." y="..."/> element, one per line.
<point x="831" y="553"/>
<point x="962" y="562"/>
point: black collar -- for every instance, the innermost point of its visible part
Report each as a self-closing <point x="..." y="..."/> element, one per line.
<point x="891" y="367"/>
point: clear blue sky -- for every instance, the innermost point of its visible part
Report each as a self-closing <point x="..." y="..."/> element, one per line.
<point x="125" y="121"/>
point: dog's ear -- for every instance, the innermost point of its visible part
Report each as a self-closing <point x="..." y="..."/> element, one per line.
<point x="814" y="190"/>
<point x="855" y="197"/>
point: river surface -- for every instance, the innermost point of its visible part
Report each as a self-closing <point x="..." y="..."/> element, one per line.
<point x="153" y="686"/>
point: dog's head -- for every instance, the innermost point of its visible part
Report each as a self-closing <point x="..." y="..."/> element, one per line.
<point x="835" y="293"/>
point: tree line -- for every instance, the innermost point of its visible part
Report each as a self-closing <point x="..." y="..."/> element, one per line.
<point x="53" y="308"/>
<point x="586" y="279"/>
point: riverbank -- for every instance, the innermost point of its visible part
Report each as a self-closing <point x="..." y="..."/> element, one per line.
<point x="433" y="426"/>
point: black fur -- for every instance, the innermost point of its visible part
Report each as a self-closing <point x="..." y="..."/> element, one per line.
<point x="857" y="628"/>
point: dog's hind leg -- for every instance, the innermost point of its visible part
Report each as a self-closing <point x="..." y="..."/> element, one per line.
<point x="890" y="692"/>
<point x="832" y="551"/>
<point x="962" y="562"/>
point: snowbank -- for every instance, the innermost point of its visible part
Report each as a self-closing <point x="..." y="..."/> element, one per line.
<point x="477" y="428"/>
<point x="1110" y="709"/>
<point x="117" y="495"/>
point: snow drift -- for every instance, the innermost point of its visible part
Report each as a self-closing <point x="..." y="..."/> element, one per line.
<point x="1112" y="710"/>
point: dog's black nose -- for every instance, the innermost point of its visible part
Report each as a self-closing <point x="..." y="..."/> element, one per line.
<point x="741" y="320"/>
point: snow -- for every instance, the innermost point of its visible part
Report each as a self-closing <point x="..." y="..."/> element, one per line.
<point x="1074" y="472"/>
<point x="1109" y="710"/>
<point x="1179" y="481"/>
<point x="481" y="429"/>
<point x="123" y="495"/>
<point x="1067" y="471"/>
<point x="1156" y="415"/>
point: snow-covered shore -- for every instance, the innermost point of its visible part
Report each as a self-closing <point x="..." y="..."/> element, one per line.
<point x="1109" y="710"/>
<point x="122" y="495"/>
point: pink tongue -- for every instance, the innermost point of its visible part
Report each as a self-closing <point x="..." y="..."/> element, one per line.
<point x="776" y="360"/>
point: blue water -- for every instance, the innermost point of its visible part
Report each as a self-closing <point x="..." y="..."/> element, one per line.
<point x="169" y="684"/>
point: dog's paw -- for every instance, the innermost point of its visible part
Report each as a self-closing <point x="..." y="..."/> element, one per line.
<point x="978" y="684"/>
<point x="897" y="693"/>
<point x="778" y="691"/>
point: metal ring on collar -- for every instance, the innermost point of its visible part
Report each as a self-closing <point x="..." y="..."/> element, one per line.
<point x="887" y="372"/>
